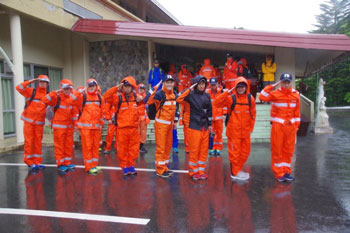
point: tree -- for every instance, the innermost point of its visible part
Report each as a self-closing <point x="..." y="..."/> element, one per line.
<point x="334" y="12"/>
<point x="335" y="18"/>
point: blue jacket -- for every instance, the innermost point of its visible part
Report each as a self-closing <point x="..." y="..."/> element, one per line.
<point x="154" y="76"/>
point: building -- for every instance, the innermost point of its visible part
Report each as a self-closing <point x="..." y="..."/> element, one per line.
<point x="108" y="40"/>
<point x="37" y="34"/>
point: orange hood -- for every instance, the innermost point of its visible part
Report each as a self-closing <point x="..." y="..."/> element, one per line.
<point x="241" y="80"/>
<point x="207" y="62"/>
<point x="130" y="80"/>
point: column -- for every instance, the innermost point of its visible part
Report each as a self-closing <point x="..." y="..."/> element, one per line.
<point x="151" y="52"/>
<point x="17" y="53"/>
<point x="285" y="60"/>
<point x="1" y="114"/>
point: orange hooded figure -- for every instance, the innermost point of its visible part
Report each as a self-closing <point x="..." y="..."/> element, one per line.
<point x="230" y="72"/>
<point x="166" y="107"/>
<point x="144" y="120"/>
<point x="90" y="122"/>
<point x="63" y="121"/>
<point x="34" y="120"/>
<point x="207" y="70"/>
<point x="185" y="78"/>
<point x="172" y="69"/>
<point x="242" y="113"/>
<point x="112" y="128"/>
<point x="218" y="117"/>
<point x="285" y="119"/>
<point x="218" y="74"/>
<point x="127" y="114"/>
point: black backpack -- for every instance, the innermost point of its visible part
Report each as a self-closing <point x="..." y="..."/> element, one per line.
<point x="119" y="104"/>
<point x="234" y="103"/>
<point x="84" y="102"/>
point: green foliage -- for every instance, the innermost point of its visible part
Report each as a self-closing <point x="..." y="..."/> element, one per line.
<point x="335" y="19"/>
<point x="337" y="84"/>
<point x="347" y="97"/>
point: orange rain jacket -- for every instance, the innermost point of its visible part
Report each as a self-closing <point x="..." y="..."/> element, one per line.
<point x="185" y="78"/>
<point x="230" y="73"/>
<point x="207" y="70"/>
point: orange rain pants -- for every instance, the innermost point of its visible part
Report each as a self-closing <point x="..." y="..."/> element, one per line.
<point x="64" y="146"/>
<point x="218" y="127"/>
<point x="143" y="131"/>
<point x="238" y="153"/>
<point x="128" y="145"/>
<point x="111" y="131"/>
<point x="282" y="148"/>
<point x="90" y="142"/>
<point x="164" y="141"/>
<point x="33" y="135"/>
<point x="198" y="147"/>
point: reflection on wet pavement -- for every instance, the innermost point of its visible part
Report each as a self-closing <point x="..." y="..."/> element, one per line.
<point x="319" y="200"/>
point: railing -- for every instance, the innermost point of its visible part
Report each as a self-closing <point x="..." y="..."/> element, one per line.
<point x="307" y="108"/>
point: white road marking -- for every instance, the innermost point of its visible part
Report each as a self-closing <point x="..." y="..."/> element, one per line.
<point x="90" y="217"/>
<point x="103" y="167"/>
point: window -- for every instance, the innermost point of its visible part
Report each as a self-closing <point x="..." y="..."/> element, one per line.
<point x="30" y="71"/>
<point x="55" y="78"/>
<point x="7" y="98"/>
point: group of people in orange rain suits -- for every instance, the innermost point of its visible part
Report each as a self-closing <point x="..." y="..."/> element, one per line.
<point x="202" y="105"/>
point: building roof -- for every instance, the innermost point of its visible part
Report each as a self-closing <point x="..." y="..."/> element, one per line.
<point x="233" y="36"/>
<point x="165" y="11"/>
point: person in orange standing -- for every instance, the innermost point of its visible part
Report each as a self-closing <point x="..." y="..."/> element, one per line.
<point x="241" y="119"/>
<point x="166" y="107"/>
<point x="230" y="72"/>
<point x="172" y="72"/>
<point x="218" y="74"/>
<point x="199" y="124"/>
<point x="111" y="129"/>
<point x="218" y="118"/>
<point x="185" y="78"/>
<point x="125" y="102"/>
<point x="207" y="70"/>
<point x="172" y="69"/>
<point x="185" y="81"/>
<point x="91" y="120"/>
<point x="62" y="123"/>
<point x="34" y="120"/>
<point x="285" y="119"/>
<point x="144" y="120"/>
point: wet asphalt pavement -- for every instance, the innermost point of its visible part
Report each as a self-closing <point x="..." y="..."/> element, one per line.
<point x="318" y="201"/>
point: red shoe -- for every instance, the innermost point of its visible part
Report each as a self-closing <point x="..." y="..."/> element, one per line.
<point x="204" y="177"/>
<point x="196" y="177"/>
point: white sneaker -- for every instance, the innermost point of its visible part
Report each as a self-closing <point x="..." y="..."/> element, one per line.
<point x="246" y="174"/>
<point x="240" y="176"/>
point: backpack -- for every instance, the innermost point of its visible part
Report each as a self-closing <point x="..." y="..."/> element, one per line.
<point x="233" y="105"/>
<point x="115" y="118"/>
<point x="30" y="99"/>
<point x="84" y="102"/>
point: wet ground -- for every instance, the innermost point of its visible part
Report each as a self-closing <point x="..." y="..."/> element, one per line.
<point x="319" y="200"/>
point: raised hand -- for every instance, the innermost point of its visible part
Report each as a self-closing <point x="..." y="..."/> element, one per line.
<point x="231" y="90"/>
<point x="193" y="86"/>
<point x="159" y="83"/>
<point x="276" y="84"/>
